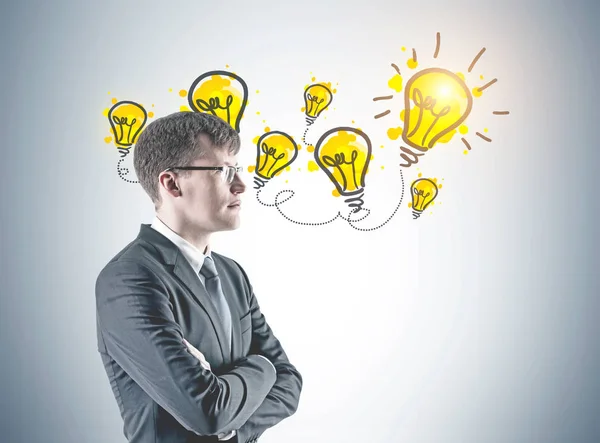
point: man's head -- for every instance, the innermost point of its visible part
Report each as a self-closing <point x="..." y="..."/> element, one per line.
<point x="201" y="201"/>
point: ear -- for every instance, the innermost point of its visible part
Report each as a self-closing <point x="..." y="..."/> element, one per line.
<point x="168" y="181"/>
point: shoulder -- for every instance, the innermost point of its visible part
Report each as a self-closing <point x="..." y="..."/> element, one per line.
<point x="138" y="257"/>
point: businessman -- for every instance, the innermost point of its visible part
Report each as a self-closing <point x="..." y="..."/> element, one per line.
<point x="188" y="353"/>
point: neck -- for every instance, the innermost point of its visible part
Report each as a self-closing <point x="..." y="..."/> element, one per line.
<point x="200" y="239"/>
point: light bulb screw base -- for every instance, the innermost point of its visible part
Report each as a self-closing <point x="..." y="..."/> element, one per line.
<point x="259" y="182"/>
<point x="124" y="152"/>
<point x="356" y="202"/>
<point x="310" y="120"/>
<point x="416" y="214"/>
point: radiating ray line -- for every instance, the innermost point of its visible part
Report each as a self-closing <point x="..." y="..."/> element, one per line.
<point x="483" y="137"/>
<point x="414" y="55"/>
<point x="464" y="140"/>
<point x="476" y="58"/>
<point x="500" y="112"/>
<point x="437" y="45"/>
<point x="487" y="85"/>
<point x="383" y="114"/>
<point x="396" y="68"/>
<point x="385" y="97"/>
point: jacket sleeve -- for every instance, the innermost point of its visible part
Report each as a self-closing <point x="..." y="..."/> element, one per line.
<point x="282" y="400"/>
<point x="139" y="331"/>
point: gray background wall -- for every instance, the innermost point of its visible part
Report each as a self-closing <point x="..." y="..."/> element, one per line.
<point x="478" y="323"/>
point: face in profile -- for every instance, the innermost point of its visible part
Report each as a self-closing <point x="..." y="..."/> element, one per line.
<point x="208" y="202"/>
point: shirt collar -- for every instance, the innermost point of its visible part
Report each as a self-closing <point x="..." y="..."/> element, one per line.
<point x="192" y="254"/>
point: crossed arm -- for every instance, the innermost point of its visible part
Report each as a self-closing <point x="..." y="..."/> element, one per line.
<point x="139" y="331"/>
<point x="282" y="400"/>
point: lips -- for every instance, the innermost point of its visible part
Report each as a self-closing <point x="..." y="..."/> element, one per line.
<point x="235" y="204"/>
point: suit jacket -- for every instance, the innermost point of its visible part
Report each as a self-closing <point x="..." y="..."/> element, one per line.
<point x="148" y="299"/>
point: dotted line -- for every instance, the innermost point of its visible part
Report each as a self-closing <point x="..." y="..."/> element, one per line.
<point x="123" y="172"/>
<point x="297" y="222"/>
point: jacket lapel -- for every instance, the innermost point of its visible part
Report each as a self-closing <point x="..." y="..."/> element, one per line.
<point x="183" y="271"/>
<point x="186" y="274"/>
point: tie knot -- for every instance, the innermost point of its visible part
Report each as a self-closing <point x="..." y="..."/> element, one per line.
<point x="208" y="269"/>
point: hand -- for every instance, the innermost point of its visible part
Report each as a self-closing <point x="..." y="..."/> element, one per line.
<point x="196" y="353"/>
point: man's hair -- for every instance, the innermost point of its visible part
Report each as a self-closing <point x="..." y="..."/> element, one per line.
<point x="173" y="140"/>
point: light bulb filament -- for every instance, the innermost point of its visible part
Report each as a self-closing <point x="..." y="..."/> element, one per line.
<point x="214" y="103"/>
<point x="313" y="101"/>
<point x="338" y="160"/>
<point x="270" y="152"/>
<point x="426" y="105"/>
<point x="121" y="122"/>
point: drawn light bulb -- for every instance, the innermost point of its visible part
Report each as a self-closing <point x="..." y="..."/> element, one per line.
<point x="436" y="101"/>
<point x="317" y="98"/>
<point x="275" y="150"/>
<point x="423" y="193"/>
<point x="220" y="93"/>
<point x="127" y="119"/>
<point x="343" y="154"/>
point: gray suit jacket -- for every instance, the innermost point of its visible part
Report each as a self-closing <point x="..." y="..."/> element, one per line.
<point x="148" y="300"/>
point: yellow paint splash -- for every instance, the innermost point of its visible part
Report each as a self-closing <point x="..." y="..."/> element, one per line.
<point x="420" y="174"/>
<point x="251" y="168"/>
<point x="481" y="77"/>
<point x="151" y="114"/>
<point x="302" y="109"/>
<point x="412" y="64"/>
<point x="403" y="48"/>
<point x="182" y="93"/>
<point x="257" y="112"/>
<point x="310" y="148"/>
<point x="463" y="129"/>
<point x="257" y="91"/>
<point x="335" y="193"/>
<point x="107" y="139"/>
<point x="382" y="146"/>
<point x="394" y="133"/>
<point x="382" y="167"/>
<point x="105" y="112"/>
<point x="402" y="113"/>
<point x="461" y="76"/>
<point x="170" y="89"/>
<point x="113" y="101"/>
<point x="267" y="129"/>
<point x="465" y="152"/>
<point x="184" y="108"/>
<point x="410" y="204"/>
<point x="395" y="83"/>
<point x="255" y="139"/>
<point x="485" y="129"/>
<point x="477" y="92"/>
<point x="108" y="92"/>
<point x="287" y="168"/>
<point x="312" y="166"/>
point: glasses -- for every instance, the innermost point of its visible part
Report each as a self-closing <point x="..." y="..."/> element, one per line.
<point x="227" y="172"/>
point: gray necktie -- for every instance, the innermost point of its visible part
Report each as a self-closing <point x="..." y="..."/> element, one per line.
<point x="212" y="283"/>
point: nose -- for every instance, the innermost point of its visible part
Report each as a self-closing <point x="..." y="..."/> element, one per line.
<point x="237" y="185"/>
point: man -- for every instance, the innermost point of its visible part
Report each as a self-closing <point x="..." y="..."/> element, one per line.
<point x="189" y="355"/>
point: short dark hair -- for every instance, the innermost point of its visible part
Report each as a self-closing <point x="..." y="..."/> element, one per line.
<point x="173" y="140"/>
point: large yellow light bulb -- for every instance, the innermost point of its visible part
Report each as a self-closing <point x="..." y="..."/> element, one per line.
<point x="344" y="154"/>
<point x="127" y="119"/>
<point x="423" y="191"/>
<point x="317" y="98"/>
<point x="220" y="93"/>
<point x="436" y="101"/>
<point x="275" y="151"/>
